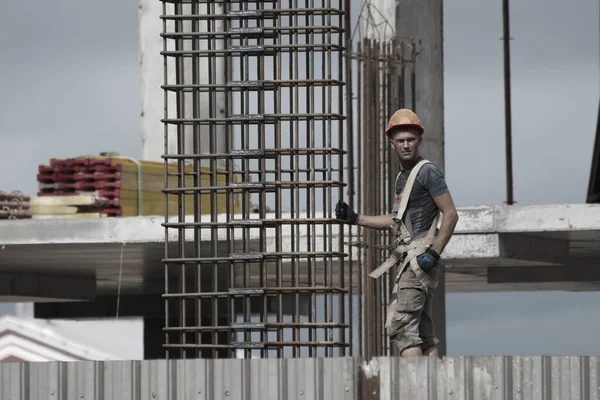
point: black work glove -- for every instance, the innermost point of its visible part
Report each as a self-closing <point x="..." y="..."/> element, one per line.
<point x="428" y="259"/>
<point x="344" y="212"/>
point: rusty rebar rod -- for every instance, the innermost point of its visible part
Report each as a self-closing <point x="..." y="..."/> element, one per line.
<point x="255" y="119"/>
<point x="384" y="76"/>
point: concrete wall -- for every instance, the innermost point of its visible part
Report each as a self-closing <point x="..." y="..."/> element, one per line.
<point x="423" y="20"/>
<point x="152" y="77"/>
<point x="152" y="71"/>
<point x="481" y="378"/>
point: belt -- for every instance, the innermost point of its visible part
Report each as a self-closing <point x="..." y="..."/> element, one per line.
<point x="404" y="253"/>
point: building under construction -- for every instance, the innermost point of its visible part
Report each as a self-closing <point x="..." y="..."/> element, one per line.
<point x="265" y="114"/>
<point x="277" y="98"/>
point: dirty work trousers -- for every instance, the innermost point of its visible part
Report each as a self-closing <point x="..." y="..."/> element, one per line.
<point x="410" y="319"/>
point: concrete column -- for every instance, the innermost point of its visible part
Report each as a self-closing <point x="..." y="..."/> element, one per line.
<point x="152" y="77"/>
<point x="423" y="20"/>
<point x="152" y="71"/>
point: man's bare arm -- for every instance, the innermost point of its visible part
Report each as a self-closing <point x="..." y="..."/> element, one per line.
<point x="376" y="221"/>
<point x="449" y="219"/>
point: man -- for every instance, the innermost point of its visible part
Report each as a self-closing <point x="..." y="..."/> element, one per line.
<point x="421" y="194"/>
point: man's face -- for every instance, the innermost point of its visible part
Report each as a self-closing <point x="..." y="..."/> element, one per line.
<point x="406" y="143"/>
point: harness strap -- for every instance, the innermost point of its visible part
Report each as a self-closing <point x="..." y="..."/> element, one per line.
<point x="405" y="248"/>
<point x="410" y="260"/>
<point x="408" y="188"/>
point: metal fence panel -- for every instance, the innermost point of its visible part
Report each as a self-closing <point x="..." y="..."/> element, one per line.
<point x="456" y="378"/>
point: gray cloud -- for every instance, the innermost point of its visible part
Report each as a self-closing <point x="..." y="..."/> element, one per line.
<point x="555" y="81"/>
<point x="70" y="84"/>
<point x="545" y="33"/>
<point x="69" y="27"/>
<point x="548" y="113"/>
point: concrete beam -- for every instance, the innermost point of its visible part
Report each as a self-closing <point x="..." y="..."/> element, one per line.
<point x="533" y="248"/>
<point x="104" y="306"/>
<point x="33" y="287"/>
<point x="529" y="218"/>
<point x="487" y="220"/>
<point x="484" y="237"/>
<point x="584" y="272"/>
<point x="472" y="247"/>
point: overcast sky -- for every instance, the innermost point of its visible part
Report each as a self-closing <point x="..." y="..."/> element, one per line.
<point x="70" y="86"/>
<point x="555" y="94"/>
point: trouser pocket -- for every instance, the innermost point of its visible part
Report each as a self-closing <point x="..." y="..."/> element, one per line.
<point x="407" y="307"/>
<point x="409" y="299"/>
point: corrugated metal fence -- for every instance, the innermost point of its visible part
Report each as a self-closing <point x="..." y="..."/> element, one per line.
<point x="477" y="378"/>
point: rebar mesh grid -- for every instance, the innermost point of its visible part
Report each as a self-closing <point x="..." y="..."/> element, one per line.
<point x="255" y="91"/>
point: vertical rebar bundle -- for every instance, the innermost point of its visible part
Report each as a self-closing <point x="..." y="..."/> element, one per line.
<point x="385" y="76"/>
<point x="255" y="91"/>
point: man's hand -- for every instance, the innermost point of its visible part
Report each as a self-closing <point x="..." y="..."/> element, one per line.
<point x="428" y="259"/>
<point x="344" y="212"/>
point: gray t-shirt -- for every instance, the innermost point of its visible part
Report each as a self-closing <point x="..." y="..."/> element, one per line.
<point x="429" y="183"/>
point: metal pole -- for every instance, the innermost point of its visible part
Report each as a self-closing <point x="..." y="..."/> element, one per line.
<point x="507" y="104"/>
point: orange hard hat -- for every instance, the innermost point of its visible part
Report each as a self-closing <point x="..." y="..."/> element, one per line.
<point x="404" y="117"/>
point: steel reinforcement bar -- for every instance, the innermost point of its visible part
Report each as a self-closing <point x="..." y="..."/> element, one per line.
<point x="255" y="91"/>
<point x="383" y="82"/>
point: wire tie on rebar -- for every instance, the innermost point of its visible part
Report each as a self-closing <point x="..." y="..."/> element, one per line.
<point x="247" y="49"/>
<point x="247" y="153"/>
<point x="245" y="291"/>
<point x="245" y="31"/>
<point x="248" y="325"/>
<point x="244" y="13"/>
<point x="247" y="257"/>
<point x="247" y="117"/>
<point x="246" y="185"/>
<point x="247" y="222"/>
<point x="245" y="84"/>
<point x="248" y="345"/>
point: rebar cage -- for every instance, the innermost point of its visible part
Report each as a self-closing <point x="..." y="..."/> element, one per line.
<point x="254" y="115"/>
<point x="259" y="100"/>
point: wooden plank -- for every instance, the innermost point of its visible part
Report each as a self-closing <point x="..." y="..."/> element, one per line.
<point x="53" y="210"/>
<point x="117" y="179"/>
<point x="75" y="200"/>
<point x="58" y="216"/>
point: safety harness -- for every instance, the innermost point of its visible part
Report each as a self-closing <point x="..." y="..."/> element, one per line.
<point x="406" y="248"/>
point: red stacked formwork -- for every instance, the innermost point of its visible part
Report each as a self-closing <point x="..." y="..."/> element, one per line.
<point x="96" y="177"/>
<point x="14" y="205"/>
<point x="130" y="187"/>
